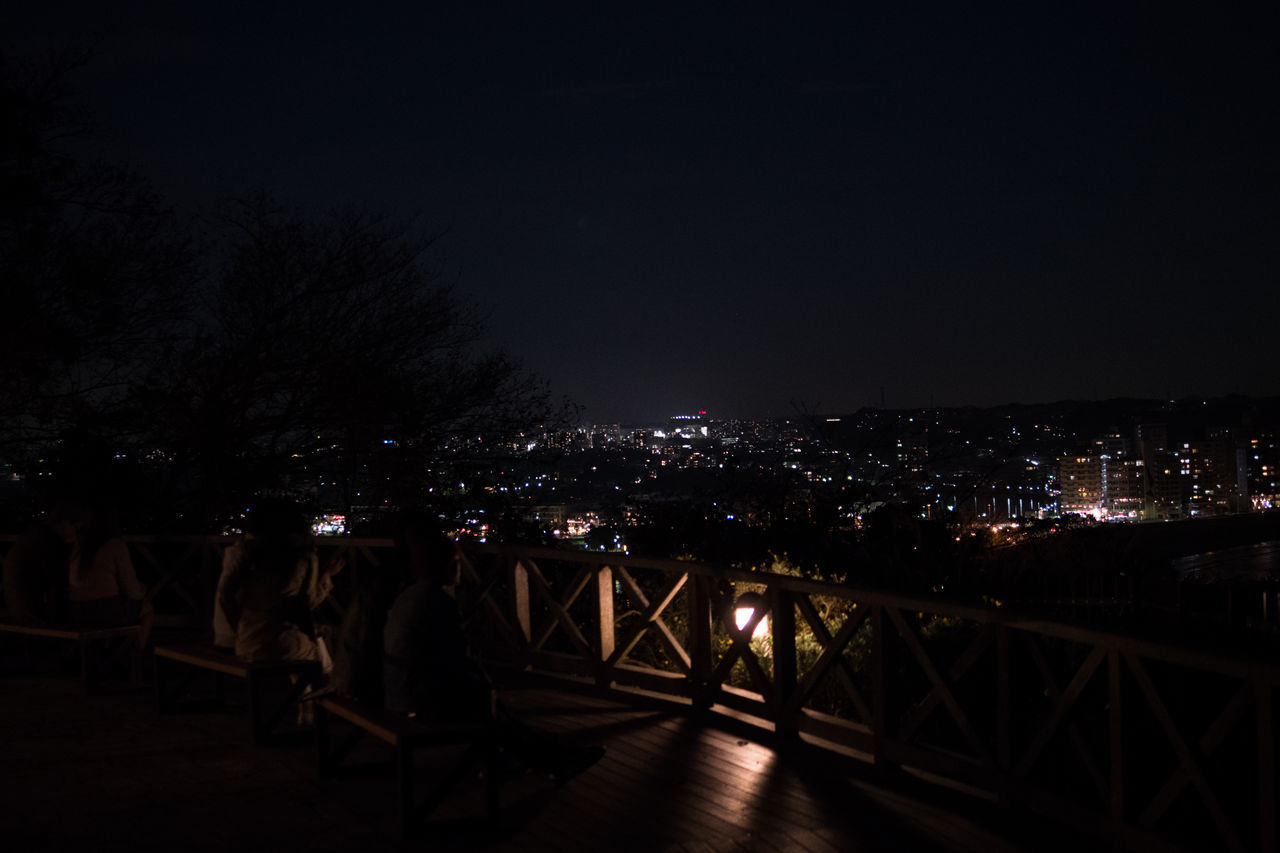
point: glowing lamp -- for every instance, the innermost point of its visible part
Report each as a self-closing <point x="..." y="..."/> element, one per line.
<point x="745" y="610"/>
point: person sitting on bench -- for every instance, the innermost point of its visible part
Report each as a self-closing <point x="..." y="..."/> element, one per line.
<point x="357" y="652"/>
<point x="270" y="586"/>
<point x="103" y="587"/>
<point x="430" y="671"/>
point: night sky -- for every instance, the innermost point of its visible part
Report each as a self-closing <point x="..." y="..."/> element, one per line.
<point x="685" y="207"/>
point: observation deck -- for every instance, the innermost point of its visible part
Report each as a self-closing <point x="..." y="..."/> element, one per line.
<point x="741" y="711"/>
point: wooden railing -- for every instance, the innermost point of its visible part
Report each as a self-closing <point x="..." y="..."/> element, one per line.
<point x="1139" y="741"/>
<point x="1148" y="744"/>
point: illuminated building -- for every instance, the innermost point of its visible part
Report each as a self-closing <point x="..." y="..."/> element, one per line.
<point x="689" y="426"/>
<point x="1083" y="480"/>
<point x="1125" y="488"/>
<point x="1150" y="439"/>
<point x="913" y="450"/>
<point x="1163" y="485"/>
<point x="1263" y="460"/>
<point x="1218" y="475"/>
<point x="603" y="435"/>
<point x="551" y="517"/>
<point x="1113" y="445"/>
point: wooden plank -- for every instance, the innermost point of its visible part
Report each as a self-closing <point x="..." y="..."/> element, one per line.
<point x="759" y="679"/>
<point x="1004" y="678"/>
<point x="1078" y="740"/>
<point x="560" y="608"/>
<point x="1115" y="737"/>
<point x="1152" y="650"/>
<point x="221" y="663"/>
<point x="641" y="761"/>
<point x="745" y="701"/>
<point x="1185" y="756"/>
<point x="714" y="780"/>
<point x="1213" y="736"/>
<point x="957" y="671"/>
<point x="855" y="737"/>
<point x="651" y="679"/>
<point x="1069" y="696"/>
<point x="520" y="600"/>
<point x="602" y="605"/>
<point x="700" y="654"/>
<point x="939" y="684"/>
<point x="950" y="765"/>
<point x="353" y="715"/>
<point x="832" y="654"/>
<point x="561" y="662"/>
<point x="484" y="598"/>
<point x="1265" y="722"/>
<point x="784" y="658"/>
<point x="878" y="699"/>
<point x="710" y="779"/>
<point x="652" y="618"/>
<point x="741" y="650"/>
<point x="72" y="633"/>
<point x="228" y="664"/>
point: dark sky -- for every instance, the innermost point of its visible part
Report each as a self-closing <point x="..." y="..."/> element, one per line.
<point x="681" y="206"/>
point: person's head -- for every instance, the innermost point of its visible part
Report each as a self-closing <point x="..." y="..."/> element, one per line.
<point x="99" y="523"/>
<point x="277" y="519"/>
<point x="63" y="519"/>
<point x="429" y="553"/>
<point x="280" y="536"/>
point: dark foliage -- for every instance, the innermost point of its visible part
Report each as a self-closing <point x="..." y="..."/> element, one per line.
<point x="186" y="375"/>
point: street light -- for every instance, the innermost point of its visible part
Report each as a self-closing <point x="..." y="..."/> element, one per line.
<point x="745" y="610"/>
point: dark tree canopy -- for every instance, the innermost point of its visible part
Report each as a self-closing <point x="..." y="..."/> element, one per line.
<point x="324" y="339"/>
<point x="92" y="265"/>
<point x="277" y="345"/>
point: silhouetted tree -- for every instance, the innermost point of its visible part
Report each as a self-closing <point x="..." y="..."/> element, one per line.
<point x="92" y="265"/>
<point x="286" y="345"/>
<point x="332" y="341"/>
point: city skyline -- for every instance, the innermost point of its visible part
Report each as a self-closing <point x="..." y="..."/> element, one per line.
<point x="756" y="214"/>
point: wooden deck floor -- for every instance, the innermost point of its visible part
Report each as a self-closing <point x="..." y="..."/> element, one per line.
<point x="104" y="774"/>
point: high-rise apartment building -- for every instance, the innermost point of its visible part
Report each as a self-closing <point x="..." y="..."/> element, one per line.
<point x="1263" y="460"/>
<point x="1162" y="485"/>
<point x="1083" y="480"/>
<point x="1125" y="487"/>
<point x="1218" y="475"/>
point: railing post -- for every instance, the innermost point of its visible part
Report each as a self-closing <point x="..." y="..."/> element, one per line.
<point x="1003" y="722"/>
<point x="699" y="642"/>
<point x="1116" y="750"/>
<point x="877" y="684"/>
<point x="605" y="624"/>
<point x="1266" y="766"/>
<point x="783" y="607"/>
<point x="520" y="605"/>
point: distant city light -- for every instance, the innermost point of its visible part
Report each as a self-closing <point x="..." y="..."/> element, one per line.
<point x="329" y="525"/>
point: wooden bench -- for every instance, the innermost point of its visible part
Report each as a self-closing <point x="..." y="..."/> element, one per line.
<point x="406" y="735"/>
<point x="99" y="647"/>
<point x="264" y="719"/>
